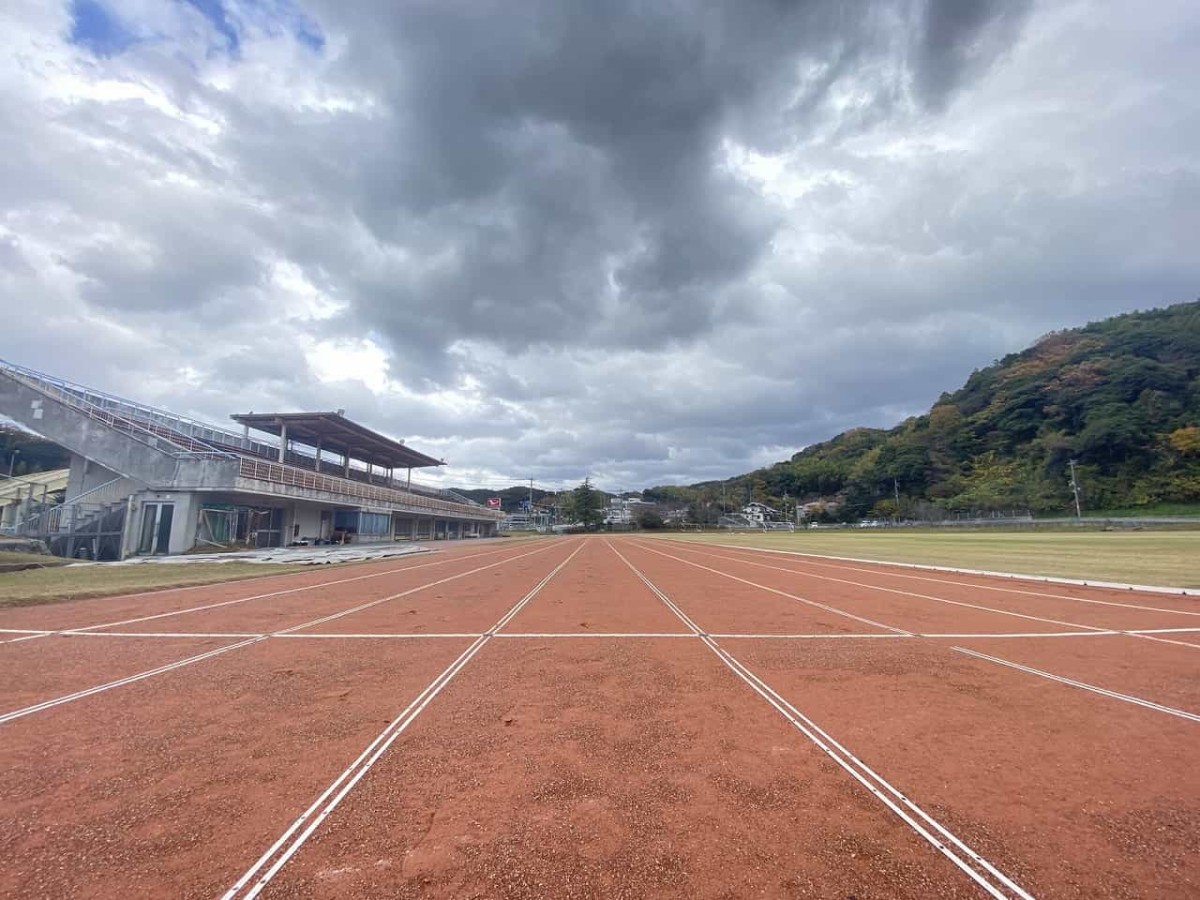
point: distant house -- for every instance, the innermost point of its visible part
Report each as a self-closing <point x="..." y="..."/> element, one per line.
<point x="622" y="511"/>
<point x="760" y="513"/>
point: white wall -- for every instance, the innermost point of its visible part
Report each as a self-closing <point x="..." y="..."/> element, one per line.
<point x="308" y="517"/>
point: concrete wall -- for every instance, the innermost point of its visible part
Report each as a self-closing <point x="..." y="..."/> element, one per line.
<point x="308" y="517"/>
<point x="86" y="437"/>
<point x="87" y="475"/>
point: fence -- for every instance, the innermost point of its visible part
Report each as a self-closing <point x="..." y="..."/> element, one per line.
<point x="275" y="473"/>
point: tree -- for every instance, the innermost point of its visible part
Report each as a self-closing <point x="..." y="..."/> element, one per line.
<point x="649" y="518"/>
<point x="585" y="506"/>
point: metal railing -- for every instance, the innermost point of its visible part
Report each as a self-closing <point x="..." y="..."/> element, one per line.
<point x="199" y="432"/>
<point x="275" y="473"/>
<point x="52" y="518"/>
<point x="147" y="432"/>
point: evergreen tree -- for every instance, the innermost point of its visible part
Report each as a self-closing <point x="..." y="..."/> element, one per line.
<point x="586" y="506"/>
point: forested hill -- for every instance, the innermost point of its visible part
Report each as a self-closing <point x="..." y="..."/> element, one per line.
<point x="1121" y="396"/>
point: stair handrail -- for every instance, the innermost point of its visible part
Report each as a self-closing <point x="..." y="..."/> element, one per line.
<point x="25" y="524"/>
<point x="66" y="393"/>
<point x="181" y="424"/>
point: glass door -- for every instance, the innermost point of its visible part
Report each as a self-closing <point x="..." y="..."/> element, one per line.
<point x="155" y="536"/>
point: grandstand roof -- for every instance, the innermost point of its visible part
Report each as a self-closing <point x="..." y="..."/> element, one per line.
<point x="17" y="488"/>
<point x="337" y="434"/>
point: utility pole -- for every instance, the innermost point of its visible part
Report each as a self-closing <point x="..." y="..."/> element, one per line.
<point x="531" y="519"/>
<point x="1075" y="489"/>
<point x="896" y="488"/>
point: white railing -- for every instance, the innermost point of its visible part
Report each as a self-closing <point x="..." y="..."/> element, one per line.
<point x="145" y="432"/>
<point x="51" y="518"/>
<point x="260" y="470"/>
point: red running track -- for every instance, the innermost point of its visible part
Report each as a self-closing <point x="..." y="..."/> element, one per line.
<point x="593" y="717"/>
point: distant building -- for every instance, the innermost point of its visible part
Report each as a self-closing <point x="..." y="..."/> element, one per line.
<point x="622" y="511"/>
<point x="760" y="513"/>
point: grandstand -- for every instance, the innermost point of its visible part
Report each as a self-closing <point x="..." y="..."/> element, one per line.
<point x="144" y="481"/>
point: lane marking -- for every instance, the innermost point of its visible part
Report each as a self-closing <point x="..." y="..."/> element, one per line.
<point x="982" y="872"/>
<point x="1158" y="707"/>
<point x="1004" y="612"/>
<point x="791" y="637"/>
<point x="323" y="584"/>
<point x="371" y="603"/>
<point x="167" y="634"/>
<point x="596" y="634"/>
<point x="620" y="634"/>
<point x="397" y="635"/>
<point x="763" y="587"/>
<point x="286" y="846"/>
<point x="1015" y="576"/>
<point x="120" y="682"/>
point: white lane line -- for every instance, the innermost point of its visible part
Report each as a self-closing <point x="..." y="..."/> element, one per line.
<point x="1004" y="612"/>
<point x="120" y="682"/>
<point x="771" y="590"/>
<point x="371" y="603"/>
<point x="982" y="872"/>
<point x="389" y="636"/>
<point x="29" y="637"/>
<point x="596" y="634"/>
<point x="285" y="847"/>
<point x="295" y="590"/>
<point x="167" y="634"/>
<point x="1162" y="630"/>
<point x="1158" y="707"/>
<point x="897" y="591"/>
<point x="23" y="631"/>
<point x="330" y="635"/>
<point x="798" y="637"/>
<point x="18" y="713"/>
<point x="877" y="563"/>
<point x="25" y="636"/>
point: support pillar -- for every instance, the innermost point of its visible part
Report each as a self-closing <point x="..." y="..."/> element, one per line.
<point x="283" y="443"/>
<point x="318" y="456"/>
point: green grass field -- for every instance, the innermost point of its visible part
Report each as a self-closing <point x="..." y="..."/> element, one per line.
<point x="1165" y="558"/>
<point x="34" y="586"/>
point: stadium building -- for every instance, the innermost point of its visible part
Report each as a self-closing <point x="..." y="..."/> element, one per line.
<point x="144" y="481"/>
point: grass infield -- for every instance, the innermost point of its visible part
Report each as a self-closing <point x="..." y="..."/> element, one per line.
<point x="77" y="582"/>
<point x="1163" y="558"/>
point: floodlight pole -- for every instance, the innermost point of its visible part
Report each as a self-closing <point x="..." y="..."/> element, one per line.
<point x="1075" y="489"/>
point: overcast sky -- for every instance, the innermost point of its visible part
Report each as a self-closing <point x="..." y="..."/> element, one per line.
<point x="654" y="242"/>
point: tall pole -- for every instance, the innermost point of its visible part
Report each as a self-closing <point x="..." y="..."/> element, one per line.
<point x="1075" y="489"/>
<point x="896" y="488"/>
<point x="12" y="458"/>
<point x="531" y="500"/>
